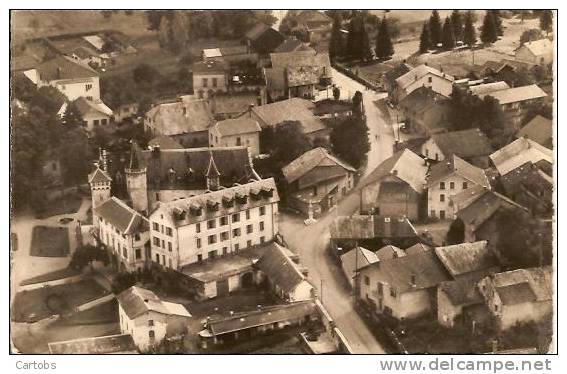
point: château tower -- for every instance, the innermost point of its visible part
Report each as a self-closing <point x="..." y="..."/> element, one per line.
<point x="136" y="181"/>
<point x="100" y="183"/>
<point x="212" y="175"/>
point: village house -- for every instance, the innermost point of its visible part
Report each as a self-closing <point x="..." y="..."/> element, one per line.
<point x="283" y="276"/>
<point x="265" y="320"/>
<point x="396" y="187"/>
<point x="229" y="54"/>
<point x="540" y="130"/>
<point x="263" y="39"/>
<point x="425" y="111"/>
<point x="422" y="76"/>
<point x="516" y="101"/>
<point x="163" y="142"/>
<point x="523" y="295"/>
<point x="372" y="232"/>
<point x="448" y="178"/>
<point x="402" y="287"/>
<point x="70" y="77"/>
<point x="297" y="74"/>
<point x="292" y="44"/>
<point x="478" y="209"/>
<point x="487" y="88"/>
<point x="234" y="104"/>
<point x="388" y="79"/>
<point x="538" y="52"/>
<point x="148" y="319"/>
<point x="108" y="344"/>
<point x="162" y="175"/>
<point x="295" y="109"/>
<point x="471" y="145"/>
<point x="458" y="300"/>
<point x="206" y="226"/>
<point x="531" y="187"/>
<point x="520" y="151"/>
<point x="243" y="131"/>
<point x="317" y="181"/>
<point x="94" y="113"/>
<point x="185" y="120"/>
<point x="124" y="111"/>
<point x="125" y="233"/>
<point x="317" y="24"/>
<point x="209" y="77"/>
<point x="356" y="259"/>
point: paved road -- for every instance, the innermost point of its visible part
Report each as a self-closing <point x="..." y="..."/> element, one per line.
<point x="311" y="241"/>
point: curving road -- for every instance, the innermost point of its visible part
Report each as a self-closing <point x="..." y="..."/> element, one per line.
<point x="310" y="242"/>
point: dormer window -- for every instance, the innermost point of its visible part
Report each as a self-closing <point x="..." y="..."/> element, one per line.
<point x="212" y="205"/>
<point x="241" y="198"/>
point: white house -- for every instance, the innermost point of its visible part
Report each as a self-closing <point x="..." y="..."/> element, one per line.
<point x="536" y="52"/>
<point x="243" y="131"/>
<point x="446" y="179"/>
<point x="148" y="319"/>
<point x="194" y="229"/>
<point x="70" y="77"/>
<point x="125" y="232"/>
<point x="423" y="76"/>
<point x="94" y="113"/>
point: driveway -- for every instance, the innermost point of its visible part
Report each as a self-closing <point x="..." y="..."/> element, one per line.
<point x="310" y="242"/>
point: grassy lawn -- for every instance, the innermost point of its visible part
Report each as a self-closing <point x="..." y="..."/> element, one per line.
<point x="50" y="241"/>
<point x="51" y="276"/>
<point x="104" y="313"/>
<point x="67" y="204"/>
<point x="34" y="305"/>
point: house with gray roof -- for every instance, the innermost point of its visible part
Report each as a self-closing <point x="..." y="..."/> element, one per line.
<point x="317" y="181"/>
<point x="425" y="111"/>
<point x="522" y="295"/>
<point x="448" y="178"/>
<point x="537" y="52"/>
<point x="422" y="76"/>
<point x="539" y="129"/>
<point x="471" y="145"/>
<point x="108" y="344"/>
<point x="520" y="151"/>
<point x="396" y="186"/>
<point x="149" y="319"/>
<point x="236" y="132"/>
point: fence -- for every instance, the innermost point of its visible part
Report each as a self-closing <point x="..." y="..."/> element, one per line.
<point x="339" y="339"/>
<point x="349" y="73"/>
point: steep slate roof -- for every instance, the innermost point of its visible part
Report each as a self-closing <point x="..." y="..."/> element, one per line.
<point x="99" y="176"/>
<point x="464" y="143"/>
<point x="486" y="88"/>
<point x="310" y="160"/>
<point x="136" y="301"/>
<point x="164" y="142"/>
<point x="181" y="117"/>
<point x="121" y="216"/>
<point x="264" y="39"/>
<point x="86" y="107"/>
<point x="517" y="94"/>
<point x="264" y="316"/>
<point x="460" y="259"/>
<point x="63" y="67"/>
<point x="233" y="102"/>
<point x="421" y="99"/>
<point x="294" y="109"/>
<point x="417" y="73"/>
<point x="235" y="126"/>
<point x="406" y="165"/>
<point x="389" y="252"/>
<point x="461" y="292"/>
<point x="519" y="152"/>
<point x="292" y="45"/>
<point x="539" y="130"/>
<point x="280" y="269"/>
<point x="183" y="211"/>
<point x="110" y="344"/>
<point x="484" y="206"/>
<point x="418" y="247"/>
<point x="455" y="164"/>
<point x="301" y="58"/>
<point x="233" y="163"/>
<point x="303" y="75"/>
<point x="353" y="261"/>
<point x="209" y="67"/>
<point x="524" y="285"/>
<point x="539" y="47"/>
<point x="525" y="176"/>
<point x="397" y="272"/>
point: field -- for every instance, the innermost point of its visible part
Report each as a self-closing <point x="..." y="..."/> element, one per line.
<point x="50" y="241"/>
<point x="35" y="305"/>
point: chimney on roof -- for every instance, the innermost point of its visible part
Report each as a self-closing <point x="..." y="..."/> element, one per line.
<point x="394" y="172"/>
<point x="413" y="280"/>
<point x="58" y="72"/>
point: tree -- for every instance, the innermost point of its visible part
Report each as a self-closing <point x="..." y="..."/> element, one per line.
<point x="457" y="23"/>
<point x="469" y="32"/>
<point x="349" y="140"/>
<point x="21" y="87"/>
<point x="357" y="103"/>
<point x="48" y="99"/>
<point x="384" y="47"/>
<point x="456" y="233"/>
<point x="435" y="28"/>
<point x="366" y="50"/>
<point x="336" y="43"/>
<point x="145" y="73"/>
<point x="265" y="16"/>
<point x="123" y="281"/>
<point x="284" y="143"/>
<point x="546" y="21"/>
<point x="336" y="93"/>
<point x="354" y="39"/>
<point x="154" y="19"/>
<point x="72" y="117"/>
<point x="85" y="255"/>
<point x="424" y="39"/>
<point x="497" y="21"/>
<point x="531" y="35"/>
<point x="75" y="156"/>
<point x="448" y="35"/>
<point x="488" y="32"/>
